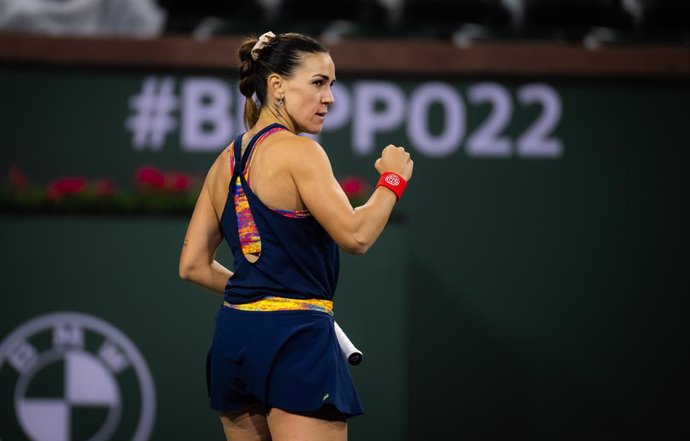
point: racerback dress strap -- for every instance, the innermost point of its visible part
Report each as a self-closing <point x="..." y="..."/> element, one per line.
<point x="242" y="159"/>
<point x="248" y="232"/>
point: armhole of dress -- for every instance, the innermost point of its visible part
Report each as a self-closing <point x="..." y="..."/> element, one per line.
<point x="247" y="231"/>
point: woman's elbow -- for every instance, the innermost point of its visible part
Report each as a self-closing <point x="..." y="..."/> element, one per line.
<point x="184" y="274"/>
<point x="355" y="246"/>
<point x="186" y="270"/>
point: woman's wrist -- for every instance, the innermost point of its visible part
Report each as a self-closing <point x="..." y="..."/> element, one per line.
<point x="394" y="182"/>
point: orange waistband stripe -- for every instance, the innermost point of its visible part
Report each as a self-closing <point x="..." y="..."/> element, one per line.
<point x="271" y="303"/>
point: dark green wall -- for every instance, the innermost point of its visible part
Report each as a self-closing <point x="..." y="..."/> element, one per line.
<point x="557" y="291"/>
<point x="545" y="297"/>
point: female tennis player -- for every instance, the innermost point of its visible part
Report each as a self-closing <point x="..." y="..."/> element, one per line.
<point x="275" y="370"/>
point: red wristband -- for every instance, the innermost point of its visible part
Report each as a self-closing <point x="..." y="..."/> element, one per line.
<point x="394" y="182"/>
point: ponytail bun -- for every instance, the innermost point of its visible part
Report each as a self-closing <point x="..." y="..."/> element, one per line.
<point x="251" y="110"/>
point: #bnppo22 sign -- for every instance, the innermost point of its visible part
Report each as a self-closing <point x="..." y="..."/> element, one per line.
<point x="207" y="112"/>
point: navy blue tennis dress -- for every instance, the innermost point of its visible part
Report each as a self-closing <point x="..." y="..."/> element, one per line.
<point x="274" y="342"/>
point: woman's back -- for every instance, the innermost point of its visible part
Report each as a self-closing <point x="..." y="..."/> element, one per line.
<point x="277" y="253"/>
<point x="269" y="177"/>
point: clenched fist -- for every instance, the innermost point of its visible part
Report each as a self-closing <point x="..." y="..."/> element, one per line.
<point x="395" y="159"/>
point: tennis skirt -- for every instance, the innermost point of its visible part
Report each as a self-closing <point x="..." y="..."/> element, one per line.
<point x="285" y="359"/>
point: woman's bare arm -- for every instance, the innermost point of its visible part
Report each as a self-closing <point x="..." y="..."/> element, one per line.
<point x="197" y="260"/>
<point x="354" y="229"/>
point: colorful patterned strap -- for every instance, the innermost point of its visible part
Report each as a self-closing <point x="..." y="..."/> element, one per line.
<point x="272" y="303"/>
<point x="250" y="240"/>
<point x="295" y="214"/>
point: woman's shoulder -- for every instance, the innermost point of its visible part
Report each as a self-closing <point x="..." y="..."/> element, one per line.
<point x="302" y="154"/>
<point x="285" y="143"/>
<point x="225" y="157"/>
<point x="222" y="166"/>
<point x="302" y="143"/>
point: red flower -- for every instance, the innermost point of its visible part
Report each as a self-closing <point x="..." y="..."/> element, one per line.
<point x="105" y="187"/>
<point x="179" y="182"/>
<point x="66" y="186"/>
<point x="353" y="186"/>
<point x="150" y="177"/>
<point x="17" y="178"/>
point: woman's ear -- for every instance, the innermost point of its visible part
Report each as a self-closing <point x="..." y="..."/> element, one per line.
<point x="275" y="86"/>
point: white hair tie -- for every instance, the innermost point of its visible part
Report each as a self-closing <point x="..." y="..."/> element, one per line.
<point x="263" y="41"/>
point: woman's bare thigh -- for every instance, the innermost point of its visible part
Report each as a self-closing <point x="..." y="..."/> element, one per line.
<point x="286" y="426"/>
<point x="246" y="425"/>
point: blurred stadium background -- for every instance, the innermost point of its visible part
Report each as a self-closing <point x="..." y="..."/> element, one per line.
<point x="531" y="283"/>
